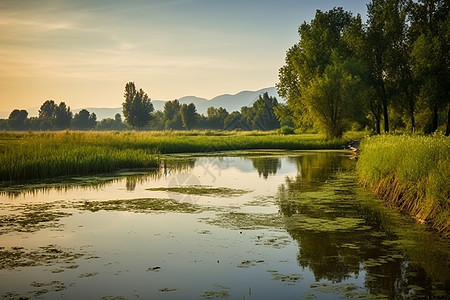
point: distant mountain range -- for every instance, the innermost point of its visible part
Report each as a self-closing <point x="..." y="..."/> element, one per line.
<point x="229" y="102"/>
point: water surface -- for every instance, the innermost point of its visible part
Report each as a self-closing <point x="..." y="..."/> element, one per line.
<point x="255" y="225"/>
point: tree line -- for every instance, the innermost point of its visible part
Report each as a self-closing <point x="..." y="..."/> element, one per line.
<point x="387" y="73"/>
<point x="265" y="114"/>
<point x="53" y="116"/>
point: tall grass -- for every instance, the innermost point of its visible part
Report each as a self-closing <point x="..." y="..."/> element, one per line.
<point x="412" y="173"/>
<point x="37" y="155"/>
<point x="47" y="155"/>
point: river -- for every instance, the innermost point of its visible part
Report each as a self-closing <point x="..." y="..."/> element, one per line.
<point x="236" y="225"/>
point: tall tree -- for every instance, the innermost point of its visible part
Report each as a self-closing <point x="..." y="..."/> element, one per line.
<point x="17" y="119"/>
<point x="387" y="41"/>
<point x="62" y="116"/>
<point x="332" y="99"/>
<point x="84" y="120"/>
<point x="188" y="115"/>
<point x="47" y="110"/>
<point x="261" y="115"/>
<point x="137" y="107"/>
<point x="172" y="115"/>
<point x="319" y="57"/>
<point x="216" y="117"/>
<point x="430" y="25"/>
<point x="53" y="116"/>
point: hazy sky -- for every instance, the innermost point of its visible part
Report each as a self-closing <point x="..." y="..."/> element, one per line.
<point x="83" y="52"/>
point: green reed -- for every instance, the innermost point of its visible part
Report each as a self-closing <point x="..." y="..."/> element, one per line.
<point x="412" y="173"/>
<point x="38" y="155"/>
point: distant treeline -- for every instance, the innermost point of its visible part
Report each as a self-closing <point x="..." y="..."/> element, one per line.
<point x="265" y="114"/>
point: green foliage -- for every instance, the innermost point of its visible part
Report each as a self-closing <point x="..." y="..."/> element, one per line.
<point x="216" y="117"/>
<point x="261" y="115"/>
<point x="17" y="119"/>
<point x="411" y="172"/>
<point x="188" y="114"/>
<point x="53" y="116"/>
<point x="316" y="78"/>
<point x="137" y="107"/>
<point x="84" y="120"/>
<point x="112" y="124"/>
<point x="62" y="116"/>
<point x="402" y="51"/>
<point x="331" y="99"/>
<point x="172" y="115"/>
<point x="287" y="130"/>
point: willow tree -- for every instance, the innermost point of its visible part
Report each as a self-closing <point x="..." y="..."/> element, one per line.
<point x="317" y="74"/>
<point x="333" y="99"/>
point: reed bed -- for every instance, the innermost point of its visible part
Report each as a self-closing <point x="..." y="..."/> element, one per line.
<point x="412" y="173"/>
<point x="48" y="155"/>
<point x="38" y="155"/>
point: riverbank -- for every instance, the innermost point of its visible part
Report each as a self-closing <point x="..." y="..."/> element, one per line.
<point x="410" y="173"/>
<point x="41" y="155"/>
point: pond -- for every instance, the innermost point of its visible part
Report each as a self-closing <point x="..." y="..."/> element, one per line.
<point x="253" y="225"/>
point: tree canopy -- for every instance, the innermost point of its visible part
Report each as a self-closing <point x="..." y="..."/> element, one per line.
<point x="137" y="107"/>
<point x="394" y="68"/>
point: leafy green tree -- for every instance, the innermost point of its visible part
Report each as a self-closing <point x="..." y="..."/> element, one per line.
<point x="137" y="107"/>
<point x="62" y="116"/>
<point x="157" y="122"/>
<point x="172" y="115"/>
<point x="234" y="121"/>
<point x="429" y="56"/>
<point x="188" y="115"/>
<point x="332" y="99"/>
<point x="284" y="115"/>
<point x="47" y="110"/>
<point x="216" y="117"/>
<point x="53" y="116"/>
<point x="261" y="115"/>
<point x="17" y="119"/>
<point x="321" y="57"/>
<point x="112" y="124"/>
<point x="84" y="120"/>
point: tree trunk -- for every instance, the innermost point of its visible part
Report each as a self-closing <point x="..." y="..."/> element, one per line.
<point x="434" y="122"/>
<point x="378" y="120"/>
<point x="447" y="122"/>
<point x="385" y="107"/>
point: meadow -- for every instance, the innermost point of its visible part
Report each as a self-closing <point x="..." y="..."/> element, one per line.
<point x="411" y="173"/>
<point x="42" y="155"/>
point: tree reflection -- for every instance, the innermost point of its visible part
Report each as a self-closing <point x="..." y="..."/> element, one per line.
<point x="341" y="236"/>
<point x="266" y="165"/>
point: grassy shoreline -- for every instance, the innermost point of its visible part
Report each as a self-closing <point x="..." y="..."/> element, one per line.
<point x="41" y="155"/>
<point x="411" y="173"/>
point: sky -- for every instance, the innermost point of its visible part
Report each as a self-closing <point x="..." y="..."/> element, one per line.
<point x="84" y="52"/>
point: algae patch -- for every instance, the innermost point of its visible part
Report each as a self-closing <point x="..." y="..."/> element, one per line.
<point x="350" y="291"/>
<point x="202" y="190"/>
<point x="290" y="279"/>
<point x="50" y="255"/>
<point x="31" y="218"/>
<point x="145" y="205"/>
<point x="326" y="225"/>
<point x="245" y="221"/>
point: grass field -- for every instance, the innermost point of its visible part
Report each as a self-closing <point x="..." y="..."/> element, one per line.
<point x="412" y="173"/>
<point x="39" y="155"/>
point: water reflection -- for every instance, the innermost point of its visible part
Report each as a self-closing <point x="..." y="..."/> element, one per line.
<point x="343" y="234"/>
<point x="97" y="182"/>
<point x="266" y="166"/>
